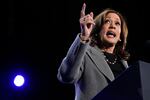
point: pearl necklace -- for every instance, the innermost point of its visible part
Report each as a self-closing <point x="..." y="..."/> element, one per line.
<point x="111" y="62"/>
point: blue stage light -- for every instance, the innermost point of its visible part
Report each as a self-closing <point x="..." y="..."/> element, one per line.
<point x="19" y="80"/>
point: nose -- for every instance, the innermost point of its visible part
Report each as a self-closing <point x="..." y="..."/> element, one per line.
<point x="112" y="25"/>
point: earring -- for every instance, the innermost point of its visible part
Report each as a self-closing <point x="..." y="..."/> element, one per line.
<point x="96" y="35"/>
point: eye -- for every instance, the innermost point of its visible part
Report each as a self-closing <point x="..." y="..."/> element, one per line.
<point x="107" y="21"/>
<point x="118" y="23"/>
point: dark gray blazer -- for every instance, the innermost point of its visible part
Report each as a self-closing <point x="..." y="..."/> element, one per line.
<point x="86" y="68"/>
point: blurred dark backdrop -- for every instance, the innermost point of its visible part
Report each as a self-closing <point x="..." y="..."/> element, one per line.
<point x="36" y="34"/>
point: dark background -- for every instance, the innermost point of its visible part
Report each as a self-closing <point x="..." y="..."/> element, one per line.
<point x="36" y="34"/>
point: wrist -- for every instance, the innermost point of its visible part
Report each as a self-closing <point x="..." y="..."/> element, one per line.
<point x="83" y="38"/>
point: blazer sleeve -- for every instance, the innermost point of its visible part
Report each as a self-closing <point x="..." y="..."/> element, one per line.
<point x="71" y="67"/>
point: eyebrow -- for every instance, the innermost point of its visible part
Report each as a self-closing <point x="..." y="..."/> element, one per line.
<point x="115" y="18"/>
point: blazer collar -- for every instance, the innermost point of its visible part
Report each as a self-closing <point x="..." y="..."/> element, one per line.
<point x="125" y="63"/>
<point x="98" y="58"/>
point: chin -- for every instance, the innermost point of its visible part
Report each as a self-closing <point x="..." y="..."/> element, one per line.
<point x="111" y="41"/>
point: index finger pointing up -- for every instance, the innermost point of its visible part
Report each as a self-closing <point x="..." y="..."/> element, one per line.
<point x="83" y="10"/>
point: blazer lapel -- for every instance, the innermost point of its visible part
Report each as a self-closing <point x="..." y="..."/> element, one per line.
<point x="98" y="58"/>
<point x="125" y="64"/>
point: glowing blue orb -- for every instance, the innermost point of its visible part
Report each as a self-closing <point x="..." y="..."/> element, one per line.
<point x="19" y="80"/>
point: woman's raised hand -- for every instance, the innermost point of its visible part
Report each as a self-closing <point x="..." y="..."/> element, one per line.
<point x="86" y="24"/>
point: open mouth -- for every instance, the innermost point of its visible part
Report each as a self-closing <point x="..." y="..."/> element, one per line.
<point x="110" y="34"/>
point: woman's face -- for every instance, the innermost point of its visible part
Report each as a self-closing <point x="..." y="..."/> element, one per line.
<point x="111" y="29"/>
